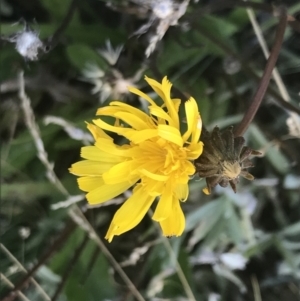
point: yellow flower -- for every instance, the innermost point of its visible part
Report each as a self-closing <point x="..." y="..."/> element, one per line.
<point x="157" y="160"/>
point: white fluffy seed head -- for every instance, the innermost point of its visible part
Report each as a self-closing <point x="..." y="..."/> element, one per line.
<point x="163" y="9"/>
<point x="28" y="44"/>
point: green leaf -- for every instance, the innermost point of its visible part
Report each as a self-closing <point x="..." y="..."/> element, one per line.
<point x="58" y="9"/>
<point x="229" y="275"/>
<point x="207" y="210"/>
<point x="213" y="31"/>
<point x="291" y="230"/>
<point x="98" y="285"/>
<point x="233" y="224"/>
<point x="80" y="55"/>
<point x="262" y="244"/>
<point x="27" y="191"/>
<point x="273" y="154"/>
<point x="207" y="219"/>
<point x="175" y="54"/>
<point x="239" y="17"/>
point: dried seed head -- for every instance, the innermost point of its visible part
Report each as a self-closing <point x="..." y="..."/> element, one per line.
<point x="109" y="53"/>
<point x="224" y="159"/>
<point x="163" y="9"/>
<point x="28" y="43"/>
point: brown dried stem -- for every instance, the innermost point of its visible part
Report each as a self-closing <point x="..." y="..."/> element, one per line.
<point x="265" y="80"/>
<point x="222" y="5"/>
<point x="246" y="68"/>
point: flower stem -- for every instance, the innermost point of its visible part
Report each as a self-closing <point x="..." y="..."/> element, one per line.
<point x="265" y="80"/>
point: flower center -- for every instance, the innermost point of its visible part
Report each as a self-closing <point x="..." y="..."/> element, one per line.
<point x="162" y="157"/>
<point x="231" y="169"/>
<point x="174" y="158"/>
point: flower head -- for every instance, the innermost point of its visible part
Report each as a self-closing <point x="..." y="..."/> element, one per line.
<point x="109" y="84"/>
<point x="157" y="160"/>
<point x="224" y="159"/>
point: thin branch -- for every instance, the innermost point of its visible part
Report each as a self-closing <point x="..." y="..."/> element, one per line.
<point x="256" y="288"/>
<point x="82" y="221"/>
<point x="53" y="41"/>
<point x="21" y="267"/>
<point x="71" y="200"/>
<point x="78" y="216"/>
<point x="35" y="133"/>
<point x="10" y="284"/>
<point x="70" y="227"/>
<point x="70" y="266"/>
<point x="265" y="80"/>
<point x="179" y="271"/>
<point x="276" y="75"/>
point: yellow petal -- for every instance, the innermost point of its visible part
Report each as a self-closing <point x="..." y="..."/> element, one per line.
<point x="170" y="133"/>
<point x="115" y="150"/>
<point x="164" y="91"/>
<point x="153" y="188"/>
<point x="130" y="214"/>
<point x="138" y="137"/>
<point x="120" y="172"/>
<point x="115" y="129"/>
<point x="89" y="183"/>
<point x="132" y="116"/>
<point x="164" y="206"/>
<point x="176" y="102"/>
<point x="191" y="111"/>
<point x="142" y="94"/>
<point x="183" y="178"/>
<point x="118" y="106"/>
<point x="160" y="113"/>
<point x="153" y="176"/>
<point x="175" y="223"/>
<point x="132" y="120"/>
<point x="97" y="132"/>
<point x="95" y="154"/>
<point x="107" y="192"/>
<point x="182" y="192"/>
<point x="197" y="133"/>
<point x="206" y="191"/>
<point x="90" y="168"/>
<point x="189" y="168"/>
<point x="194" y="150"/>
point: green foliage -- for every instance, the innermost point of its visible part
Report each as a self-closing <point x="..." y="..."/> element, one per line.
<point x="80" y="55"/>
<point x="200" y="56"/>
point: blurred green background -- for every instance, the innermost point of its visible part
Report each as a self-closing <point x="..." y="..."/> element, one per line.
<point x="243" y="246"/>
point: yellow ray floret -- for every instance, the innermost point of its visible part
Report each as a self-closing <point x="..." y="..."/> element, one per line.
<point x="156" y="161"/>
